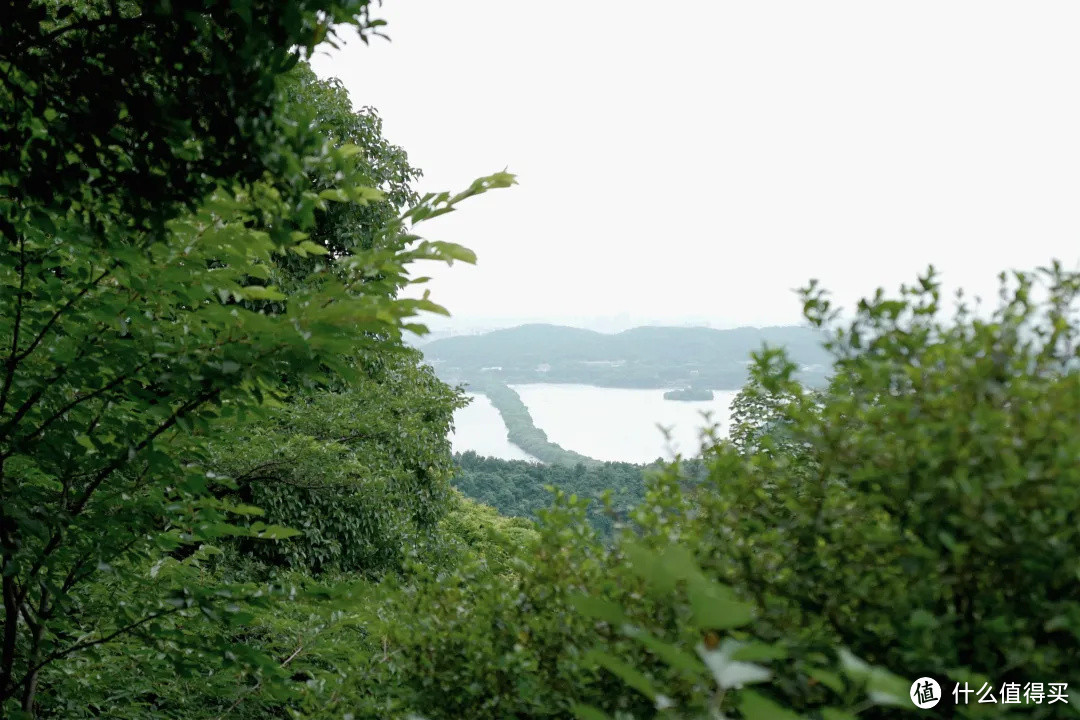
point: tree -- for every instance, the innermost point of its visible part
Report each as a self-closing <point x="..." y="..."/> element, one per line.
<point x="343" y="228"/>
<point x="137" y="110"/>
<point x="151" y="185"/>
<point x="917" y="514"/>
<point x="361" y="469"/>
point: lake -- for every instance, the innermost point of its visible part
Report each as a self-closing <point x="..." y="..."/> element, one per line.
<point x="604" y="423"/>
<point x="479" y="427"/>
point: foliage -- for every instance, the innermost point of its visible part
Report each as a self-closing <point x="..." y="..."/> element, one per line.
<point x="932" y="482"/>
<point x="326" y="638"/>
<point x="523" y="489"/>
<point x="128" y="112"/>
<point x="225" y="481"/>
<point x="866" y="521"/>
<point x="141" y="229"/>
<point x="361" y="470"/>
<point x="342" y="228"/>
<point x="585" y="630"/>
<point x="759" y="419"/>
<point x="480" y="534"/>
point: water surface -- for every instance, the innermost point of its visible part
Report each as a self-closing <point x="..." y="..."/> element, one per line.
<point x="479" y="427"/>
<point x="621" y="424"/>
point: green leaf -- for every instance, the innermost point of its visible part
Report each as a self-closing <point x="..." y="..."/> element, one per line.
<point x="836" y="714"/>
<point x="680" y="563"/>
<point x="715" y="607"/>
<point x="453" y="251"/>
<point x="364" y="194"/>
<point x="648" y="566"/>
<point x="598" y="608"/>
<point x="588" y="712"/>
<point x="335" y="194"/>
<point x="754" y="706"/>
<point x="628" y="674"/>
<point x="276" y="532"/>
<point x="882" y="686"/>
<point x="669" y="653"/>
<point x="312" y="248"/>
<point x="828" y="678"/>
<point x="245" y="510"/>
<point x="258" y="292"/>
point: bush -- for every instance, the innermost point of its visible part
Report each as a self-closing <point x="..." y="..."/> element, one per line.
<point x="582" y="629"/>
<point x="922" y="510"/>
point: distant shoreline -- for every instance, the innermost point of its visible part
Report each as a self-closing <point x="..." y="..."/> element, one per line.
<point x="660" y="358"/>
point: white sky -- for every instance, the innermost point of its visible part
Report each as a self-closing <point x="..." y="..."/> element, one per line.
<point x="698" y="159"/>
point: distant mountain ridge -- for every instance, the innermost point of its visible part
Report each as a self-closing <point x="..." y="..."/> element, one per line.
<point x="645" y="357"/>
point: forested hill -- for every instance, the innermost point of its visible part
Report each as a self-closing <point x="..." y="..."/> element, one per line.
<point x="659" y="357"/>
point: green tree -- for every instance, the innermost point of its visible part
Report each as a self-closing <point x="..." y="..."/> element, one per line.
<point x="362" y="470"/>
<point x="523" y="489"/>
<point x="343" y="228"/>
<point x="919" y="512"/>
<point x="151" y="183"/>
<point x="360" y="466"/>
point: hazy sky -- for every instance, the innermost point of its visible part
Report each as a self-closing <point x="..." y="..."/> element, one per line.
<point x="693" y="159"/>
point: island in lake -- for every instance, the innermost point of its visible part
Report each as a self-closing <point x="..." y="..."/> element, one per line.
<point x="689" y="394"/>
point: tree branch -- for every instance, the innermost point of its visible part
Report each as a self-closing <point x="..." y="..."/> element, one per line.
<point x="81" y="399"/>
<point x="63" y="309"/>
<point x="115" y="464"/>
<point x="105" y="472"/>
<point x="12" y="362"/>
<point x="257" y="685"/>
<point x="54" y="656"/>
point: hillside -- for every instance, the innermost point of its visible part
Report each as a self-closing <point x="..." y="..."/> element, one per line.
<point x="644" y="357"/>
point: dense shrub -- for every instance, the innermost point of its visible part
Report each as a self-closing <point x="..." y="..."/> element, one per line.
<point x="921" y="511"/>
<point x="584" y="628"/>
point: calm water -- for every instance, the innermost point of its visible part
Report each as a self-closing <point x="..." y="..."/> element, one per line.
<point x="479" y="427"/>
<point x="604" y="423"/>
<point x="620" y="424"/>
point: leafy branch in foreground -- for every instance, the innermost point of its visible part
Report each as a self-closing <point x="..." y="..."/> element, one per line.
<point x="105" y="424"/>
<point x="138" y="303"/>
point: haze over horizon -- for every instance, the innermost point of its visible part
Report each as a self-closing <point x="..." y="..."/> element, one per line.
<point x="459" y="324"/>
<point x="702" y="172"/>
